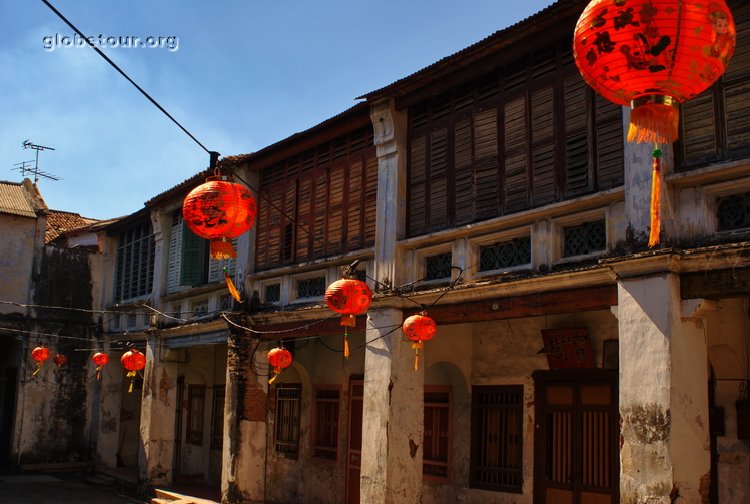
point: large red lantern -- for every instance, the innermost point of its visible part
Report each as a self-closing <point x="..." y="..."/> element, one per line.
<point x="279" y="358"/>
<point x="40" y="354"/>
<point x="133" y="361"/>
<point x="419" y="328"/>
<point x="349" y="297"/>
<point x="652" y="55"/>
<point x="100" y="359"/>
<point x="219" y="210"/>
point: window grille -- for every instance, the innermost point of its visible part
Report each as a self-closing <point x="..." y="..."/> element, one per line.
<point x="311" y="287"/>
<point x="326" y="423"/>
<point x="516" y="252"/>
<point x="132" y="320"/>
<point x="437" y="434"/>
<point x="497" y="438"/>
<point x="217" y="417"/>
<point x="287" y="419"/>
<point x="272" y="293"/>
<point x="733" y="212"/>
<point x="438" y="267"/>
<point x="134" y="269"/>
<point x="196" y="399"/>
<point x="199" y="308"/>
<point x="586" y="238"/>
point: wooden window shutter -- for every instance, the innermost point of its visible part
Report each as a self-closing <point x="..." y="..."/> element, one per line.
<point x="336" y="198"/>
<point x="609" y="143"/>
<point x="371" y="193"/>
<point x="544" y="188"/>
<point x="355" y="204"/>
<point x="418" y="186"/>
<point x="175" y="253"/>
<point x="289" y="218"/>
<point x="320" y="209"/>
<point x="699" y="138"/>
<point x="304" y="218"/>
<point x="464" y="176"/>
<point x="578" y="178"/>
<point x="438" y="194"/>
<point x="261" y="233"/>
<point x="737" y="84"/>
<point x="486" y="161"/>
<point x="194" y="258"/>
<point x="516" y="171"/>
<point x="275" y="196"/>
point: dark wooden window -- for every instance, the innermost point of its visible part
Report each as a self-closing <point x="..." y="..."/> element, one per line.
<point x="196" y="408"/>
<point x="529" y="135"/>
<point x="318" y="203"/>
<point x="715" y="126"/>
<point x="502" y="255"/>
<point x="272" y="293"/>
<point x="217" y="417"/>
<point x="586" y="238"/>
<point x="134" y="270"/>
<point x="497" y="438"/>
<point x="287" y="419"/>
<point x="733" y="212"/>
<point x="311" y="287"/>
<point x="325" y="424"/>
<point x="437" y="433"/>
<point x="438" y="267"/>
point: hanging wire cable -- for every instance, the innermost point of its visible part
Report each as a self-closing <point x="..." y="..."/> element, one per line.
<point x="139" y="88"/>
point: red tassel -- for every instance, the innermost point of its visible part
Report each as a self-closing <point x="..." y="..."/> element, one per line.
<point x="221" y="248"/>
<point x="654" y="119"/>
<point x="653" y="239"/>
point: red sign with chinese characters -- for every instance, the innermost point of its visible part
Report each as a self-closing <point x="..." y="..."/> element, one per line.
<point x="568" y="348"/>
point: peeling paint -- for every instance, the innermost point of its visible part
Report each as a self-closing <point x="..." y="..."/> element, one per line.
<point x="647" y="423"/>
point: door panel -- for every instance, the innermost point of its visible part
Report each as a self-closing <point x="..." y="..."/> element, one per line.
<point x="353" y="454"/>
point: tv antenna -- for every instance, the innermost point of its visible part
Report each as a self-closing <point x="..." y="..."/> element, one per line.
<point x="25" y="166"/>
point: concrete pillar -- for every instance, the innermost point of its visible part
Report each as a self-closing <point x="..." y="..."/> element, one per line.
<point x="664" y="454"/>
<point x="393" y="409"/>
<point x="158" y="408"/>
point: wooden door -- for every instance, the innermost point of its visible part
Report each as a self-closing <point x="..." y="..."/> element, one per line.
<point x="354" y="446"/>
<point x="576" y="450"/>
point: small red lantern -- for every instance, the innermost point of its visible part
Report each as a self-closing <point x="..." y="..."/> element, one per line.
<point x="349" y="297"/>
<point x="219" y="210"/>
<point x="40" y="354"/>
<point x="60" y="360"/>
<point x="652" y="55"/>
<point x="133" y="361"/>
<point x="419" y="328"/>
<point x="100" y="359"/>
<point x="279" y="358"/>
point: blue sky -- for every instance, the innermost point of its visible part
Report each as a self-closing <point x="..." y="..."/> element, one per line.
<point x="245" y="74"/>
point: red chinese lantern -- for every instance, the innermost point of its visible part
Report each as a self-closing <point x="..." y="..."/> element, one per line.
<point x="60" y="360"/>
<point x="419" y="328"/>
<point x="652" y="55"/>
<point x="40" y="354"/>
<point x="219" y="210"/>
<point x="279" y="359"/>
<point x="100" y="359"/>
<point x="349" y="297"/>
<point x="133" y="361"/>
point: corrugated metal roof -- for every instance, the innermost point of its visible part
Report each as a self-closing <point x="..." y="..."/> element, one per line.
<point x="21" y="198"/>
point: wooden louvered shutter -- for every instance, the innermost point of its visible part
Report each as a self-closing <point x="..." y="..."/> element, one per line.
<point x="193" y="260"/>
<point x="274" y="226"/>
<point x="371" y="194"/>
<point x="544" y="188"/>
<point x="699" y="139"/>
<point x="438" y="183"/>
<point x="289" y="231"/>
<point x="609" y="143"/>
<point x="485" y="164"/>
<point x="737" y="85"/>
<point x="320" y="209"/>
<point x="516" y="176"/>
<point x="354" y="204"/>
<point x="578" y="178"/>
<point x="464" y="177"/>
<point x="175" y="254"/>
<point x="261" y="233"/>
<point x="418" y="186"/>
<point x="304" y="218"/>
<point x="336" y="196"/>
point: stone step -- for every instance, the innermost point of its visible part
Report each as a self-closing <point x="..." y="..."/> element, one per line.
<point x="169" y="497"/>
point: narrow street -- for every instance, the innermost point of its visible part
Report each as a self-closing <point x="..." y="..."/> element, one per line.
<point x="47" y="489"/>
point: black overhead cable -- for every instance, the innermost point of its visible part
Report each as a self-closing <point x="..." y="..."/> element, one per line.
<point x="214" y="155"/>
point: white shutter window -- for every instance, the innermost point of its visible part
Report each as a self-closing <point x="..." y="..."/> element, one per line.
<point x="175" y="253"/>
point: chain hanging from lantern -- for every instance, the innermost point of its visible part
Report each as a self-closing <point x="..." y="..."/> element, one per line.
<point x="419" y="328"/>
<point x="40" y="354"/>
<point x="133" y="361"/>
<point x="652" y="55"/>
<point x="279" y="358"/>
<point x="100" y="359"/>
<point x="350" y="297"/>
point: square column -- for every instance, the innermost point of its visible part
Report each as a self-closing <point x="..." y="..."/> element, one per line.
<point x="393" y="409"/>
<point x="664" y="443"/>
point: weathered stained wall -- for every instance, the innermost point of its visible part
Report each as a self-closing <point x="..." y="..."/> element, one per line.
<point x="17" y="249"/>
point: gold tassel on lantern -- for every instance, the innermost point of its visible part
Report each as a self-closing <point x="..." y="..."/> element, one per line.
<point x="131" y="375"/>
<point x="656" y="177"/>
<point x="416" y="346"/>
<point x="654" y="119"/>
<point x="346" y="342"/>
<point x="221" y="249"/>
<point x="232" y="289"/>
